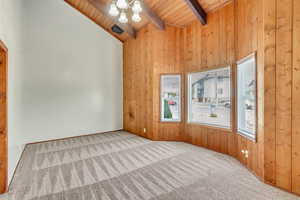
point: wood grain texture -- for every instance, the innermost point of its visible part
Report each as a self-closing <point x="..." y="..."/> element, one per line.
<point x="138" y="84"/>
<point x="197" y="10"/>
<point x="184" y="50"/>
<point x="3" y="118"/>
<point x="192" y="48"/>
<point x="248" y="30"/>
<point x="142" y="71"/>
<point x="296" y="100"/>
<point x="167" y="59"/>
<point x="153" y="17"/>
<point x="269" y="28"/>
<point x="206" y="47"/>
<point x="259" y="148"/>
<point x="171" y="12"/>
<point x="269" y="50"/>
<point x="284" y="93"/>
<point x="177" y="13"/>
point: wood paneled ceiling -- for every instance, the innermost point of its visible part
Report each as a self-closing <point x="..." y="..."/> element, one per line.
<point x="171" y="12"/>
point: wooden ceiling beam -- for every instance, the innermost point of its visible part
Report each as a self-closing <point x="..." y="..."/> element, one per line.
<point x="153" y="17"/>
<point x="197" y="10"/>
<point x="101" y="7"/>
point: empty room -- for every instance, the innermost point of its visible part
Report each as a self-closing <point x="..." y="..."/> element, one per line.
<point x="149" y="99"/>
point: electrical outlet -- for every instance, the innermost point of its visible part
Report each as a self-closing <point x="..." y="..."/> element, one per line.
<point x="246" y="154"/>
<point x="145" y="130"/>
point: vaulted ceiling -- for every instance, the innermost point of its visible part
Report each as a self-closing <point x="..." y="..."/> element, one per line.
<point x="170" y="12"/>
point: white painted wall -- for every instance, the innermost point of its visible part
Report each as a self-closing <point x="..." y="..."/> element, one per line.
<point x="65" y="74"/>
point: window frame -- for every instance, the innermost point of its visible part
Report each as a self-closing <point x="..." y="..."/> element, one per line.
<point x="241" y="132"/>
<point x="188" y="93"/>
<point x="180" y="97"/>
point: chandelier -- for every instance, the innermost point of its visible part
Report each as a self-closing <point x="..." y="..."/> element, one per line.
<point x="123" y="8"/>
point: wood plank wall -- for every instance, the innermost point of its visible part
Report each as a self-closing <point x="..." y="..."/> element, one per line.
<point x="283" y="93"/>
<point x="138" y="85"/>
<point x="231" y="34"/>
<point x="268" y="42"/>
<point x="248" y="30"/>
<point x="282" y="113"/>
<point x="269" y="27"/>
<point x="167" y="58"/>
<point x="207" y="47"/>
<point x="296" y="100"/>
<point x="142" y="69"/>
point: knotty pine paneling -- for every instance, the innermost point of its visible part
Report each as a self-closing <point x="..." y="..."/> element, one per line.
<point x="296" y="100"/>
<point x="281" y="86"/>
<point x="221" y="42"/>
<point x="177" y="50"/>
<point x="138" y="85"/>
<point x="172" y="12"/>
<point x="167" y="58"/>
<point x="269" y="62"/>
<point x="284" y="93"/>
<point x="282" y="146"/>
<point x="270" y="28"/>
<point x="206" y="47"/>
<point x="248" y="15"/>
<point x="142" y="70"/>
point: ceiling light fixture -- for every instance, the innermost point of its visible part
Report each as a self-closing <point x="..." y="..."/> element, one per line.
<point x="113" y="11"/>
<point x="137" y="8"/>
<point x="123" y="18"/>
<point x="125" y="8"/>
<point x="136" y="17"/>
<point x="122" y="4"/>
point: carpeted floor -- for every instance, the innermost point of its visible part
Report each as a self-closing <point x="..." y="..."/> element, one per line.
<point x="121" y="166"/>
<point x="3" y="197"/>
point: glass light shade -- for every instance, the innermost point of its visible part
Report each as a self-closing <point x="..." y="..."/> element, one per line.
<point x="123" y="18"/>
<point x="136" y="17"/>
<point x="122" y="4"/>
<point x="137" y="8"/>
<point x="113" y="11"/>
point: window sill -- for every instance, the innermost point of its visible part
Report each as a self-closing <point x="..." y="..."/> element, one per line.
<point x="253" y="139"/>
<point x="228" y="130"/>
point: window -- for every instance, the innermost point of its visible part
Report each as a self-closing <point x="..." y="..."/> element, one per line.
<point x="209" y="97"/>
<point x="170" y="98"/>
<point x="246" y="97"/>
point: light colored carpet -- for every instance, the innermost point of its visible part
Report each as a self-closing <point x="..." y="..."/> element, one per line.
<point x="121" y="166"/>
<point x="3" y="197"/>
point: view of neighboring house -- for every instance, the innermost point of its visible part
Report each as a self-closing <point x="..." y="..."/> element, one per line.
<point x="210" y="97"/>
<point x="212" y="88"/>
